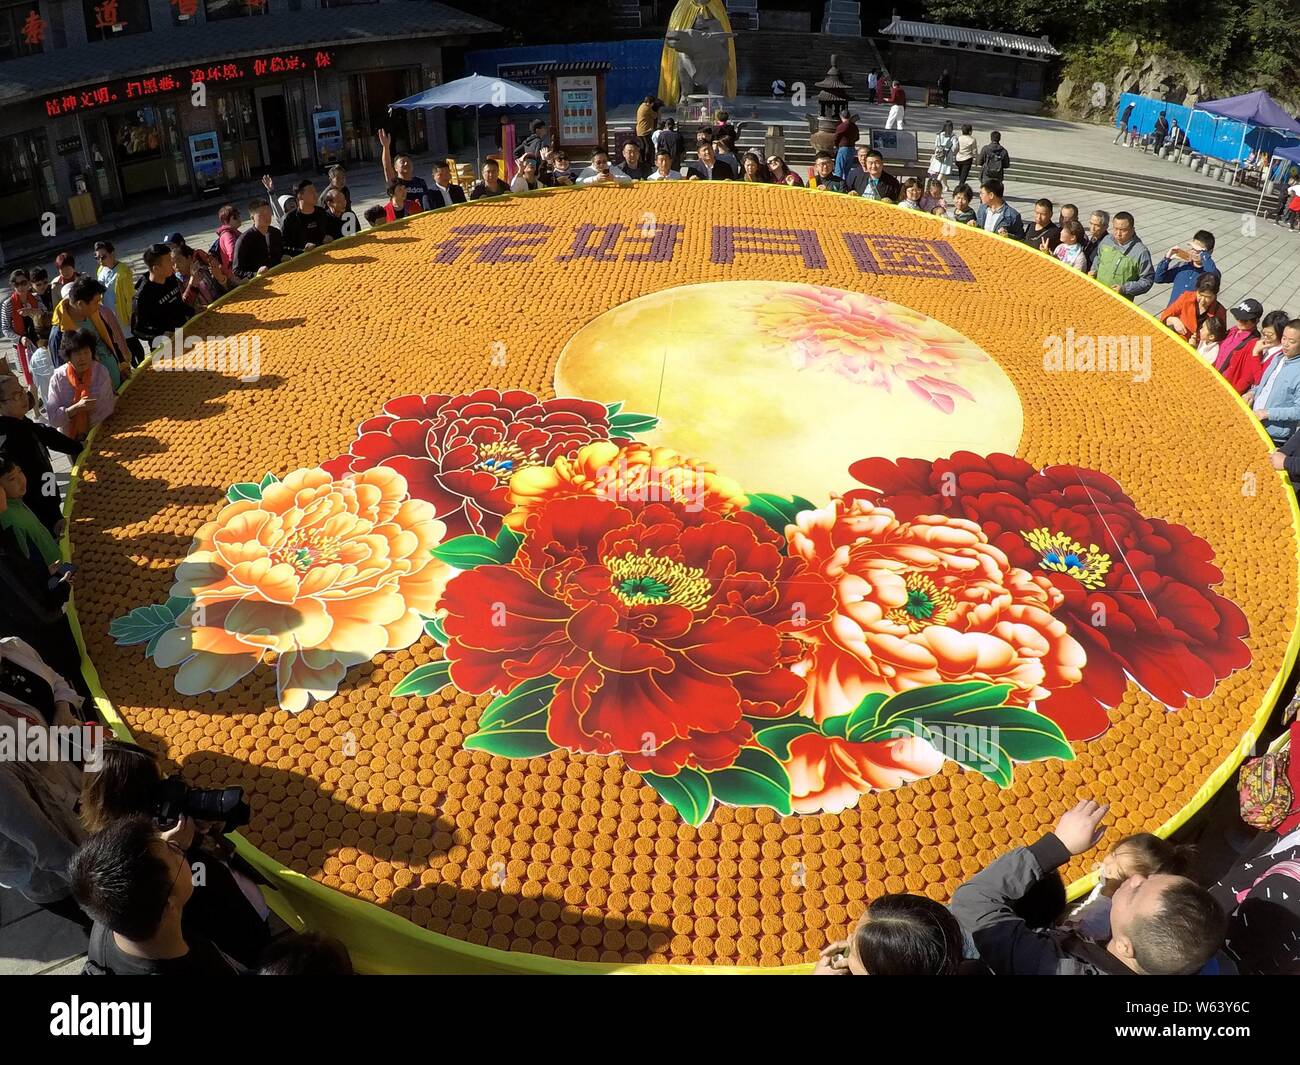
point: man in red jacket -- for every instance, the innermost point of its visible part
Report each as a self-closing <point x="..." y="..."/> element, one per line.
<point x="1239" y="366"/>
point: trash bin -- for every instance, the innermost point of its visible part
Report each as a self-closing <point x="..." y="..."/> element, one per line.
<point x="81" y="209"/>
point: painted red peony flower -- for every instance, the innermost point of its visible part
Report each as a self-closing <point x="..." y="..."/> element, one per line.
<point x="459" y="452"/>
<point x="665" y="626"/>
<point x="1138" y="591"/>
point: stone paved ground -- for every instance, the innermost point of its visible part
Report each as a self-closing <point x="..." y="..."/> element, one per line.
<point x="1257" y="258"/>
<point x="1262" y="261"/>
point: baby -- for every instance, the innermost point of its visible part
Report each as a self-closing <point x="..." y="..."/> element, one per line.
<point x="1139" y="855"/>
<point x="1212" y="332"/>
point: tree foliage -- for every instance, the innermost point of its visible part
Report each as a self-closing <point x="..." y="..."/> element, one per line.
<point x="1238" y="45"/>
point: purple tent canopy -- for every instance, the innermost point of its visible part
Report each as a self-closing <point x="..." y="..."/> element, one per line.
<point x="1255" y="109"/>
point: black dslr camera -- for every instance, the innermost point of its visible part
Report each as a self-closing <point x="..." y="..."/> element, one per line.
<point x="177" y="799"/>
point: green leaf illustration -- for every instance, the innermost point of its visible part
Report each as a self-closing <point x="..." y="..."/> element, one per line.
<point x="967" y="723"/>
<point x="612" y="409"/>
<point x="425" y="680"/>
<point x="268" y="480"/>
<point x="865" y="714"/>
<point x="514" y="725"/>
<point x="836" y="726"/>
<point x="466" y="552"/>
<point x="507" y="542"/>
<point x="630" y="424"/>
<point x="777" y="511"/>
<point x="1025" y="736"/>
<point x="433" y="627"/>
<point x="688" y="793"/>
<point x="756" y="779"/>
<point x="932" y="702"/>
<point x="148" y="624"/>
<point x="777" y="737"/>
<point x="249" y="490"/>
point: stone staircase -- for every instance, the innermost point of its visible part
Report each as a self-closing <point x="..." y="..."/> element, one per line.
<point x="843" y="17"/>
<point x="1024" y="176"/>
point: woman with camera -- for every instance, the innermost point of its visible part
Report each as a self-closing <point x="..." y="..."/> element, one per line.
<point x="226" y="908"/>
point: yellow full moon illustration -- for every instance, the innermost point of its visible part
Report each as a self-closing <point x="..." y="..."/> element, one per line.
<point x="783" y="385"/>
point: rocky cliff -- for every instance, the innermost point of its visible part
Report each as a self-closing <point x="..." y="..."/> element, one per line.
<point x="1093" y="79"/>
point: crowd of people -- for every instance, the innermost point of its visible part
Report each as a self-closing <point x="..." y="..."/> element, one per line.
<point x="110" y="848"/>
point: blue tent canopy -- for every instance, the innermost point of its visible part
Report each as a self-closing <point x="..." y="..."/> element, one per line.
<point x="1291" y="154"/>
<point x="1254" y="109"/>
<point x="474" y="91"/>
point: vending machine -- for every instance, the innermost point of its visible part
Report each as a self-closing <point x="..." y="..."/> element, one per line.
<point x="205" y="159"/>
<point x="328" y="128"/>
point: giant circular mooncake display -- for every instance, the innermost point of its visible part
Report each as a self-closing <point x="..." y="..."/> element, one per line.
<point x="653" y="576"/>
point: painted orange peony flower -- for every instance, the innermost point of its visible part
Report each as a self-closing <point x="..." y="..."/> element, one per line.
<point x="322" y="574"/>
<point x="928" y="601"/>
<point x="632" y="472"/>
<point x="828" y="774"/>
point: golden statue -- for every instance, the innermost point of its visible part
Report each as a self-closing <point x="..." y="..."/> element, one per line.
<point x="699" y="53"/>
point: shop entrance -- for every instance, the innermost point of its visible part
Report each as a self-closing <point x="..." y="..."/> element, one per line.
<point x="277" y="136"/>
<point x="146" y="147"/>
<point x="384" y="87"/>
<point x="365" y="112"/>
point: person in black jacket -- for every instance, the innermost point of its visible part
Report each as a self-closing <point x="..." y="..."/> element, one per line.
<point x="1161" y="925"/>
<point x="1043" y="233"/>
<point x="443" y="192"/>
<point x="1159" y="134"/>
<point x="306" y="227"/>
<point x="260" y="246"/>
<point x="135" y="883"/>
<point x="29" y="444"/>
<point x="669" y="140"/>
<point x="158" y="306"/>
<point x="1123" y="122"/>
<point x="708" y="167"/>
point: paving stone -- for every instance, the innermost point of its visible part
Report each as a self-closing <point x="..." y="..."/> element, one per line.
<point x="38" y="942"/>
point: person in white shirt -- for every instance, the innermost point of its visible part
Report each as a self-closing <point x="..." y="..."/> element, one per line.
<point x="526" y="180"/>
<point x="601" y="173"/>
<point x="663" y="170"/>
